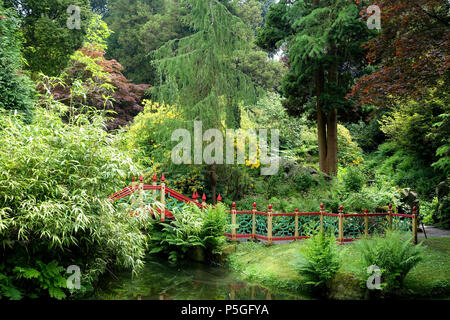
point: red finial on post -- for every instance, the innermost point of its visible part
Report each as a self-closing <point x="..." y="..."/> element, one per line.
<point x="321" y="206"/>
<point x="254" y="205"/>
<point x="270" y="207"/>
<point x="296" y="210"/>
<point x="203" y="197"/>
<point x="154" y="177"/>
<point x="414" y="210"/>
<point x="141" y="178"/>
<point x="219" y="198"/>
<point x="132" y="179"/>
<point x="162" y="178"/>
<point x="341" y="208"/>
<point x="234" y="205"/>
<point x="365" y="211"/>
<point x="193" y="195"/>
<point x="390" y="206"/>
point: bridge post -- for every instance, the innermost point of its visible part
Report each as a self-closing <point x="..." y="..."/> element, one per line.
<point x="366" y="223"/>
<point x="269" y="225"/>
<point x="154" y="190"/>
<point x="133" y="187"/>
<point x="389" y="216"/>
<point x="163" y="198"/>
<point x="233" y="222"/>
<point x="341" y="225"/>
<point x="203" y="201"/>
<point x="296" y="225"/>
<point x="254" y="221"/>
<point x="321" y="217"/>
<point x="195" y="196"/>
<point x="414" y="224"/>
<point x="141" y="192"/>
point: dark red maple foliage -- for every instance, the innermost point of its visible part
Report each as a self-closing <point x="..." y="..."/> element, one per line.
<point x="411" y="50"/>
<point x="126" y="99"/>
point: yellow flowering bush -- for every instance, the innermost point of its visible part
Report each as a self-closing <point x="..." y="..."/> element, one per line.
<point x="148" y="136"/>
<point x="349" y="153"/>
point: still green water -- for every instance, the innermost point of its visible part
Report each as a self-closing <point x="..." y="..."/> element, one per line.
<point x="188" y="281"/>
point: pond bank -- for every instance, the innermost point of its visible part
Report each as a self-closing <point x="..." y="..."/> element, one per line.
<point x="273" y="267"/>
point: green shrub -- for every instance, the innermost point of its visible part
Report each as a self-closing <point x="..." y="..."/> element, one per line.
<point x="353" y="178"/>
<point x="367" y="134"/>
<point x="373" y="198"/>
<point x="54" y="186"/>
<point x="428" y="210"/>
<point x="303" y="181"/>
<point x="215" y="223"/>
<point x="320" y="261"/>
<point x="405" y="169"/>
<point x="191" y="227"/>
<point x="348" y="150"/>
<point x="46" y="277"/>
<point x="394" y="254"/>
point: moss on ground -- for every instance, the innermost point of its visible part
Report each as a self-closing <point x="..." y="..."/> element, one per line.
<point x="274" y="267"/>
<point x="431" y="277"/>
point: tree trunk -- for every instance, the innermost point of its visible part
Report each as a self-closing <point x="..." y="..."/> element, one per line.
<point x="332" y="120"/>
<point x="332" y="142"/>
<point x="321" y="122"/>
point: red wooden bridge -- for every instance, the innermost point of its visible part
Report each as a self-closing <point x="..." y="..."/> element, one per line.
<point x="141" y="195"/>
<point x="267" y="226"/>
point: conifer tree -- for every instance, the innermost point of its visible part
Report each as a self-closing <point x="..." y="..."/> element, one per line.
<point x="323" y="43"/>
<point x="199" y="73"/>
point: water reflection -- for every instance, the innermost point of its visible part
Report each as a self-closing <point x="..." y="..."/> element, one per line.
<point x="190" y="281"/>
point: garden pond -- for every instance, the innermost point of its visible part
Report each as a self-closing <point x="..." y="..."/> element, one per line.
<point x="161" y="280"/>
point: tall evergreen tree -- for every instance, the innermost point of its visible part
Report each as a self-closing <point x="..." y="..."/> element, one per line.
<point x="323" y="43"/>
<point x="16" y="90"/>
<point x="198" y="73"/>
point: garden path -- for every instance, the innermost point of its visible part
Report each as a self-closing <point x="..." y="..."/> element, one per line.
<point x="433" y="232"/>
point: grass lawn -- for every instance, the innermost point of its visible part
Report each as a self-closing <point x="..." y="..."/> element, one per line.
<point x="274" y="267"/>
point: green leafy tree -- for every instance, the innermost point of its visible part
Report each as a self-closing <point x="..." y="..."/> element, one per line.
<point x="16" y="89"/>
<point x="322" y="40"/>
<point x="49" y="42"/>
<point x="139" y="28"/>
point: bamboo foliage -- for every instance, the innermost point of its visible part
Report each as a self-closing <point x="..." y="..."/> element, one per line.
<point x="54" y="185"/>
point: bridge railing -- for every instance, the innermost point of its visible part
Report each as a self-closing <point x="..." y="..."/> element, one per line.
<point x="270" y="226"/>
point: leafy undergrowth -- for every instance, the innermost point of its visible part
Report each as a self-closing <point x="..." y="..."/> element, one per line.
<point x="274" y="267"/>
